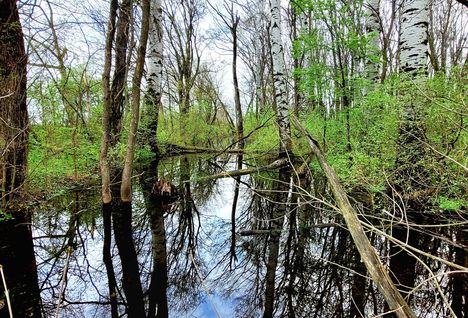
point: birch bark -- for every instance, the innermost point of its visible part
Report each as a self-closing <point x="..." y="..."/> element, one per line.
<point x="373" y="25"/>
<point x="413" y="38"/>
<point x="279" y="77"/>
<point x="155" y="67"/>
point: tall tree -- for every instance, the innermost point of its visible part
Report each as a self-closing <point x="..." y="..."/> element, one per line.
<point x="123" y="214"/>
<point x="106" y="193"/>
<point x="279" y="76"/>
<point x="155" y="72"/>
<point x="17" y="258"/>
<point x="411" y="177"/>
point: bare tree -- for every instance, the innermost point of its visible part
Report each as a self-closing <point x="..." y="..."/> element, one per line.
<point x="183" y="51"/>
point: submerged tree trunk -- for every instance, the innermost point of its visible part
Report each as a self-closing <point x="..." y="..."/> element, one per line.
<point x="122" y="222"/>
<point x="460" y="280"/>
<point x="154" y="75"/>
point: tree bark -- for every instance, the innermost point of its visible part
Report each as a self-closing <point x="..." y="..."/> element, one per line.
<point x="17" y="259"/>
<point x="373" y="25"/>
<point x="14" y="121"/>
<point x="154" y="76"/>
<point x="126" y="187"/>
<point x="119" y="80"/>
<point x="279" y="77"/>
<point x="413" y="37"/>
<point x="105" y="141"/>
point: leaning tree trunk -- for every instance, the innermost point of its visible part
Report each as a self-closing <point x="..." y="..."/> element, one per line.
<point x="279" y="77"/>
<point x="17" y="260"/>
<point x="154" y="75"/>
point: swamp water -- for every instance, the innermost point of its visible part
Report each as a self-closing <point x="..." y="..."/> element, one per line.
<point x="215" y="269"/>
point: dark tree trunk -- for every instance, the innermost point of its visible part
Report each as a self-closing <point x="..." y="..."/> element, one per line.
<point x="460" y="280"/>
<point x="119" y="79"/>
<point x="276" y="226"/>
<point x="19" y="267"/>
<point x="16" y="247"/>
<point x="122" y="221"/>
<point x="13" y="112"/>
<point x="155" y="208"/>
<point x="107" y="257"/>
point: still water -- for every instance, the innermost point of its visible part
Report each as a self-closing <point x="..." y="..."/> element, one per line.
<point x="284" y="250"/>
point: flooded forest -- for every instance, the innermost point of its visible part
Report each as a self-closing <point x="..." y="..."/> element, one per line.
<point x="249" y="158"/>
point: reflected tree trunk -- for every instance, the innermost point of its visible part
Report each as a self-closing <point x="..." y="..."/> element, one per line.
<point x="460" y="280"/>
<point x="276" y="225"/>
<point x="19" y="267"/>
<point x="107" y="257"/>
<point x="122" y="222"/>
<point x="155" y="208"/>
<point x="237" y="180"/>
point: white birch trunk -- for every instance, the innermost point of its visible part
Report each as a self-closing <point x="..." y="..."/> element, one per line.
<point x="155" y="68"/>
<point x="413" y="38"/>
<point x="155" y="49"/>
<point x="279" y="77"/>
<point x="373" y="25"/>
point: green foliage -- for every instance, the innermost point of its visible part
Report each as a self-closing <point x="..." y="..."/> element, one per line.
<point x="195" y="130"/>
<point x="451" y="204"/>
<point x="58" y="154"/>
<point x="261" y="139"/>
<point x="5" y="216"/>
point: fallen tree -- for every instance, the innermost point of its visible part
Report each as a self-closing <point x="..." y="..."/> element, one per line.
<point x="234" y="173"/>
<point x="369" y="256"/>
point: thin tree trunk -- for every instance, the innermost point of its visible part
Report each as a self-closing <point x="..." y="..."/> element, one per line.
<point x="126" y="187"/>
<point x="103" y="157"/>
<point x="119" y="80"/>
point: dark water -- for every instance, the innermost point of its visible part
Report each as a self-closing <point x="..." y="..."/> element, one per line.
<point x="298" y="259"/>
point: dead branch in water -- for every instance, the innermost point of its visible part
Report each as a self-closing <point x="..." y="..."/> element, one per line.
<point x="234" y="173"/>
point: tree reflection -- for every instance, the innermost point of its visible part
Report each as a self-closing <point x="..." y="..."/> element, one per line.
<point x="19" y="267"/>
<point x="295" y="257"/>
